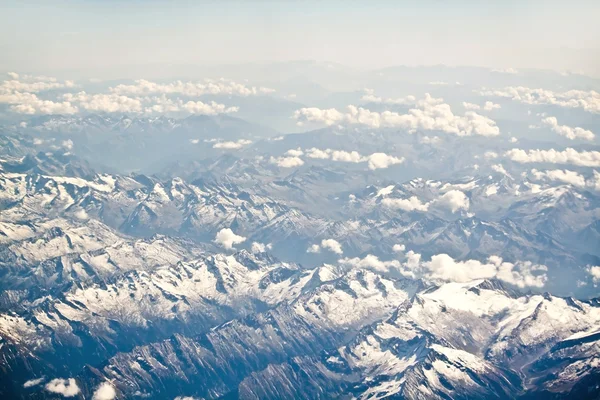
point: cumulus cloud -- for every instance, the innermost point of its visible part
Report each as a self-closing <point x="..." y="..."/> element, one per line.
<point x="399" y="248"/>
<point x="471" y="106"/>
<point x="567" y="131"/>
<point x="410" y="204"/>
<point x="500" y="169"/>
<point x="318" y="153"/>
<point x="212" y="108"/>
<point x="346" y="156"/>
<point x="194" y="141"/>
<point x="594" y="273"/>
<point x="326" y="244"/>
<point x="232" y="145"/>
<point x="382" y="160"/>
<point x="315" y="248"/>
<point x="226" y="238"/>
<point x="258" y="247"/>
<point x="294" y="152"/>
<point x="33" y="382"/>
<point x="208" y="86"/>
<point x="104" y="391"/>
<point x="287" y="162"/>
<point x="109" y="103"/>
<point x="65" y="387"/>
<point x="29" y="103"/>
<point x="489" y="106"/>
<point x="374" y="161"/>
<point x="567" y="156"/>
<point x="443" y="268"/>
<point x="332" y="245"/>
<point x="566" y="176"/>
<point x="429" y="114"/>
<point x="32" y="84"/>
<point x="490" y="155"/>
<point x="586" y="100"/>
<point x="453" y="200"/>
<point x="429" y="140"/>
<point x="595" y="181"/>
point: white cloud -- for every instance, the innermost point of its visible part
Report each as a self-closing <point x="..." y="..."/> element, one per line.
<point x="471" y="106"/>
<point x="443" y="268"/>
<point x="194" y="141"/>
<point x="226" y="238"/>
<point x="193" y="89"/>
<point x="500" y="169"/>
<point x="33" y="382"/>
<point x="332" y="245"/>
<point x="212" y="108"/>
<point x="104" y="391"/>
<point x="489" y="155"/>
<point x="287" y="162"/>
<point x="489" y="106"/>
<point x="371" y="98"/>
<point x="382" y="160"/>
<point x="81" y="214"/>
<point x="410" y="204"/>
<point x="429" y="140"/>
<point x="399" y="248"/>
<point x="511" y="71"/>
<point x="294" y="152"/>
<point x="430" y="114"/>
<point x="566" y="176"/>
<point x="65" y="387"/>
<point x="594" y="273"/>
<point x="587" y="100"/>
<point x="513" y="140"/>
<point x="28" y="103"/>
<point x="109" y="103"/>
<point x="454" y="200"/>
<point x="567" y="156"/>
<point x="315" y="248"/>
<point x="346" y="156"/>
<point x="594" y="183"/>
<point x="317" y="153"/>
<point x="567" y="131"/>
<point x="232" y="145"/>
<point x="67" y="144"/>
<point x="258" y="247"/>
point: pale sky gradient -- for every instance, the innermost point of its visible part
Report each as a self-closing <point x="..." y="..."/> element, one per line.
<point x="47" y="36"/>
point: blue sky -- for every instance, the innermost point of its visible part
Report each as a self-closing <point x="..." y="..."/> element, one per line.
<point x="58" y="35"/>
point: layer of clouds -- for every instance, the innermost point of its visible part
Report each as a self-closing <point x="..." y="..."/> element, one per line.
<point x="511" y="71"/>
<point x="429" y="114"/>
<point x="143" y="97"/>
<point x="221" y="86"/>
<point x="104" y="391"/>
<point x="443" y="268"/>
<point x="64" y="387"/>
<point x="586" y="100"/>
<point x="232" y="145"/>
<point x="567" y="156"/>
<point x="567" y="131"/>
<point x="226" y="238"/>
